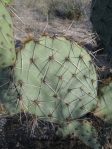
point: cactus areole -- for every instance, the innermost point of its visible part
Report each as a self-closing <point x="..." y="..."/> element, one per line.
<point x="54" y="79"/>
<point x="7" y="46"/>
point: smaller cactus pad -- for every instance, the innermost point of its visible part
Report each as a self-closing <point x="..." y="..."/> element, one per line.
<point x="105" y="103"/>
<point x="7" y="46"/>
<point x="83" y="130"/>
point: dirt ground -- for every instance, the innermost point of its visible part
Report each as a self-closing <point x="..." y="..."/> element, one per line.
<point x="29" y="19"/>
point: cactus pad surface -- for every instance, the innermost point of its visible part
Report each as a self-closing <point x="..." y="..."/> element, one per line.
<point x="84" y="131"/>
<point x="105" y="103"/>
<point x="54" y="79"/>
<point x="7" y="46"/>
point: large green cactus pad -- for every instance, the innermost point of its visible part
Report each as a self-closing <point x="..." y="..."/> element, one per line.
<point x="7" y="47"/>
<point x="54" y="79"/>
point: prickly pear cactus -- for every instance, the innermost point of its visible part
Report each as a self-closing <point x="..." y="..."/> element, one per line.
<point x="105" y="103"/>
<point x="7" y="47"/>
<point x="83" y="130"/>
<point x="53" y="78"/>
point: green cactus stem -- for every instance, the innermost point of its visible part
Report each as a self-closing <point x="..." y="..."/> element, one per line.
<point x="54" y="79"/>
<point x="7" y="46"/>
<point x="104" y="109"/>
<point x="83" y="130"/>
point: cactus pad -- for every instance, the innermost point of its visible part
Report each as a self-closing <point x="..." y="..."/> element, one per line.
<point x="7" y="47"/>
<point x="55" y="79"/>
<point x="83" y="130"/>
<point x="105" y="103"/>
